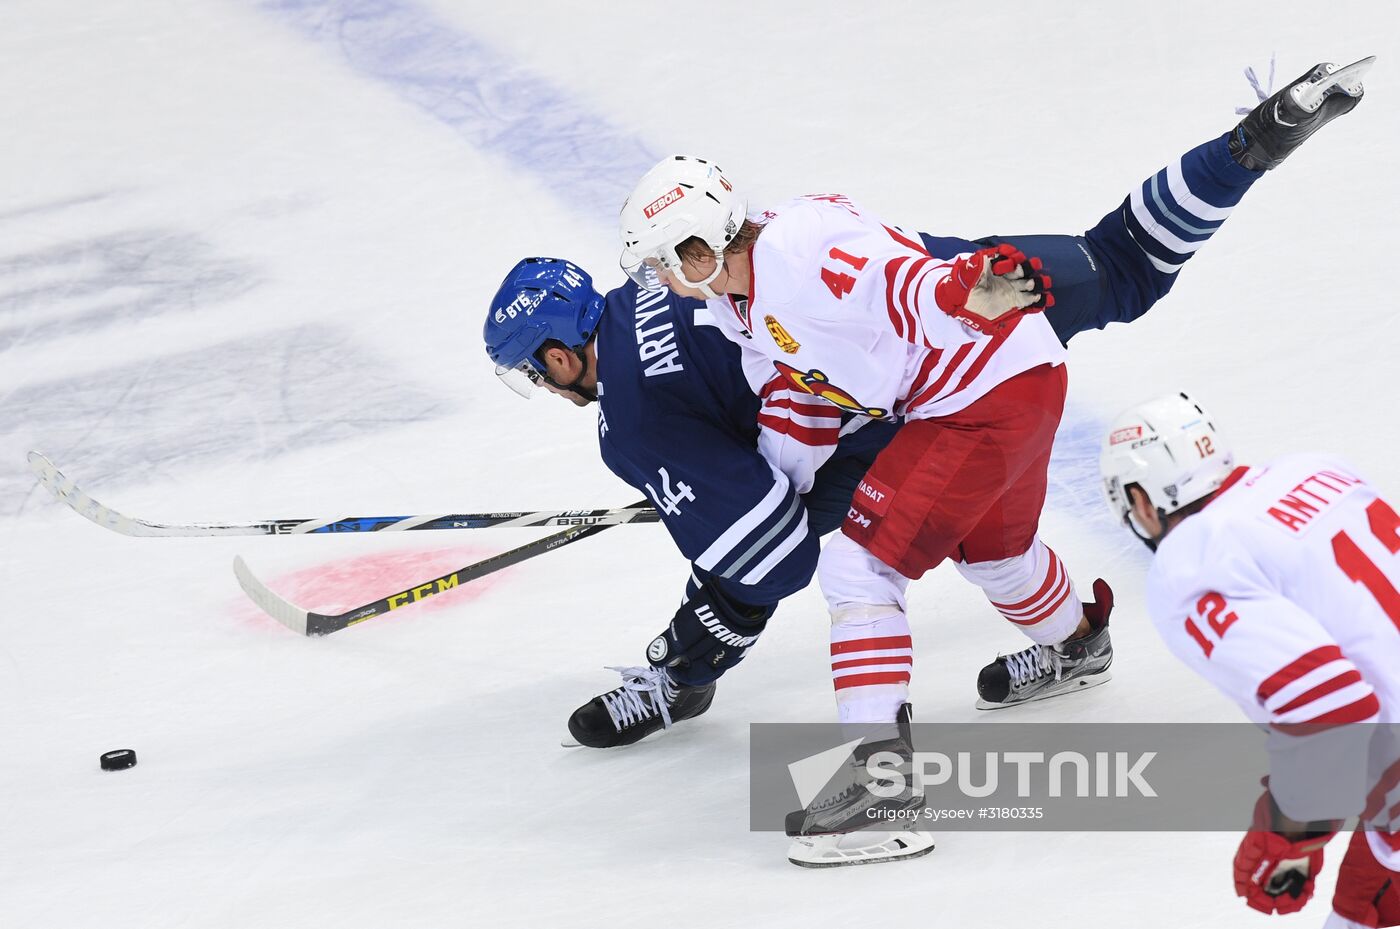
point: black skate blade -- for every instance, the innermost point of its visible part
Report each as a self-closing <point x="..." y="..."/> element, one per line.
<point x="570" y="742"/>
<point x="1308" y="95"/>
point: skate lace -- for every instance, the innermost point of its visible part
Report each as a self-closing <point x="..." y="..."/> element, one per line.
<point x="831" y="801"/>
<point x="644" y="692"/>
<point x="1263" y="93"/>
<point x="1031" y="664"/>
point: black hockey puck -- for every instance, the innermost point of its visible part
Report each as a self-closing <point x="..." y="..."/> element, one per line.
<point x="118" y="760"/>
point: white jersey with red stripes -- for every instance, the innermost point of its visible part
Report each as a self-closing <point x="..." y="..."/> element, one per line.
<point x="842" y="307"/>
<point x="1284" y="592"/>
<point x="798" y="432"/>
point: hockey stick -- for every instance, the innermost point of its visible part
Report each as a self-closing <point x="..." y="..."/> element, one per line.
<point x="309" y="623"/>
<point x="70" y="493"/>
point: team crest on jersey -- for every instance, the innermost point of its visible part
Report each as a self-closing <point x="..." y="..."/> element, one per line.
<point x="780" y="335"/>
<point x="815" y="383"/>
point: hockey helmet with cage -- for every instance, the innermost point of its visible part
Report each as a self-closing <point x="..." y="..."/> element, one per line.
<point x="679" y="198"/>
<point x="1170" y="448"/>
<point x="540" y="299"/>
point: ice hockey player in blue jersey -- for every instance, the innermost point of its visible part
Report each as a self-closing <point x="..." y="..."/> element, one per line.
<point x="678" y="420"/>
<point x="747" y="471"/>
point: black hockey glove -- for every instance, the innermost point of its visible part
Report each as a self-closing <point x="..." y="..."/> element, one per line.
<point x="709" y="634"/>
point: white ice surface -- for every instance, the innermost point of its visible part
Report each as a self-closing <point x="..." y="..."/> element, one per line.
<point x="245" y="250"/>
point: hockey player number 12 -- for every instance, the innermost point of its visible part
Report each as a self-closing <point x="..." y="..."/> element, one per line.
<point x="1356" y="565"/>
<point x="1211" y="608"/>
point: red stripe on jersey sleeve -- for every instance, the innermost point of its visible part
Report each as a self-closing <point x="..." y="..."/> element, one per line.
<point x="1388" y="781"/>
<point x="933" y="389"/>
<point x="867" y="680"/>
<point x="1337" y="683"/>
<point x="988" y="351"/>
<point x="914" y="307"/>
<point x="892" y="272"/>
<point x="1357" y="712"/>
<point x="1296" y="669"/>
<point x="876" y="644"/>
<point x="807" y="435"/>
<point x="914" y="270"/>
<point x="925" y="369"/>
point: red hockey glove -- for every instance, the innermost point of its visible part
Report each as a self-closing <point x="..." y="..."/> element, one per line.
<point x="1366" y="889"/>
<point x="992" y="286"/>
<point x="1273" y="873"/>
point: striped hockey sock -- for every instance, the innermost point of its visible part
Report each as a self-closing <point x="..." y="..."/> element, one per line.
<point x="871" y="659"/>
<point x="1179" y="208"/>
<point x="1032" y="591"/>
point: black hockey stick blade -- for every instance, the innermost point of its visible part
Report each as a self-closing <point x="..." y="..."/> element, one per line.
<point x="67" y="491"/>
<point x="310" y="623"/>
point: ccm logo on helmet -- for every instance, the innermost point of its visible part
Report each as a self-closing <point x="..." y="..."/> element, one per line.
<point x="663" y="201"/>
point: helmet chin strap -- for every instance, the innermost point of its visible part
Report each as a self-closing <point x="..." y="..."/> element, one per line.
<point x="1146" y="538"/>
<point x="704" y="286"/>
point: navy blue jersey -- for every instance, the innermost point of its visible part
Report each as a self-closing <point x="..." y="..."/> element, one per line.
<point x="679" y="421"/>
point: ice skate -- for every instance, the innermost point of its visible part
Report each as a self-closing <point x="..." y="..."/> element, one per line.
<point x="864" y="847"/>
<point x="1044" y="671"/>
<point x="646" y="702"/>
<point x="1273" y="129"/>
<point x="835" y="830"/>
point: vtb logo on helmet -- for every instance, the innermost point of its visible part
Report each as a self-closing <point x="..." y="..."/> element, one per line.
<point x="540" y="299"/>
<point x="680" y="198"/>
<point x="525" y="303"/>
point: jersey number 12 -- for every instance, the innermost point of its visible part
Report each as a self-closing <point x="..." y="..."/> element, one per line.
<point x="1357" y="566"/>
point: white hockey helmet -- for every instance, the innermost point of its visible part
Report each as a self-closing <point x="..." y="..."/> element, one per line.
<point x="1170" y="448"/>
<point x="679" y="198"/>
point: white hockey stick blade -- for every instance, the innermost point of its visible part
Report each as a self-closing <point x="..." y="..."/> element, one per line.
<point x="67" y="491"/>
<point x="288" y="614"/>
<point x="861" y="847"/>
<point x="70" y="493"/>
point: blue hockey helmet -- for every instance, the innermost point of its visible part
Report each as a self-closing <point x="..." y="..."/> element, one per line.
<point x="540" y="299"/>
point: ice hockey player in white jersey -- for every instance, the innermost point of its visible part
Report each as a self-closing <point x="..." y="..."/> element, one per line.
<point x="1280" y="584"/>
<point x="843" y="306"/>
<point x="856" y="311"/>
